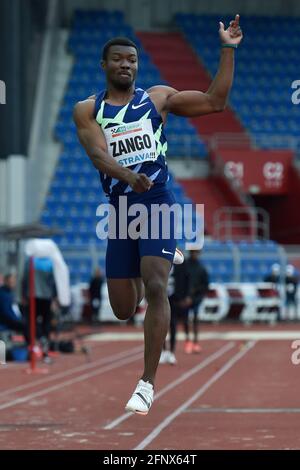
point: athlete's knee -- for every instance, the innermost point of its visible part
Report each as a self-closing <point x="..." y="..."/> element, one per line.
<point x="123" y="312"/>
<point x="155" y="289"/>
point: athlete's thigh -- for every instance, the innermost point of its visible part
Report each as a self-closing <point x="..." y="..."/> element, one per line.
<point x="122" y="259"/>
<point x="156" y="269"/>
<point x="123" y="276"/>
<point x="158" y="233"/>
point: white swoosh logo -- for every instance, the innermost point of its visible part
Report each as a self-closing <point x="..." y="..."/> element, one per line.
<point x="166" y="252"/>
<point x="138" y="106"/>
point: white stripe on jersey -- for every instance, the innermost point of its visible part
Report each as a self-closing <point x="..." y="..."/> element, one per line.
<point x="135" y="170"/>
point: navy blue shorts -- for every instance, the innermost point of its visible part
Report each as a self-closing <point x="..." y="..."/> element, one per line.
<point x="123" y="256"/>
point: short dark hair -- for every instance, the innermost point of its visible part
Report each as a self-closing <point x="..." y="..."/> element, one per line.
<point x="119" y="41"/>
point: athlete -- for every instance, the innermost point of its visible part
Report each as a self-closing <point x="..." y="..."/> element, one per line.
<point x="121" y="129"/>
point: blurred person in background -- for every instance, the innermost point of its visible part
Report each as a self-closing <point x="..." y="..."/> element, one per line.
<point x="95" y="290"/>
<point x="275" y="278"/>
<point x="10" y="315"/>
<point x="45" y="293"/>
<point x="291" y="287"/>
<point x="198" y="287"/>
<point x="274" y="275"/>
<point x="180" y="302"/>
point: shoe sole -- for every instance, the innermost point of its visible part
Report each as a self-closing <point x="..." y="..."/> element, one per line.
<point x="142" y="413"/>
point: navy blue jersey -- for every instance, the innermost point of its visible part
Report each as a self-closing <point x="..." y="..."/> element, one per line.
<point x="135" y="139"/>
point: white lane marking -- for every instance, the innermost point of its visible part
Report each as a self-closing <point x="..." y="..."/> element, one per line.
<point x="66" y="383"/>
<point x="243" y="410"/>
<point x="176" y="382"/>
<point x="84" y="367"/>
<point x="230" y="363"/>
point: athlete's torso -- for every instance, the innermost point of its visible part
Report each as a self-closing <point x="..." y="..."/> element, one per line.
<point x="135" y="138"/>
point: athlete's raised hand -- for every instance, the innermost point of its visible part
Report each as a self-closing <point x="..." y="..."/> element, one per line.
<point x="233" y="34"/>
<point x="139" y="182"/>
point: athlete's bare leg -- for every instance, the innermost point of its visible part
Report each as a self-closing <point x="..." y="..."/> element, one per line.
<point x="155" y="272"/>
<point x="125" y="295"/>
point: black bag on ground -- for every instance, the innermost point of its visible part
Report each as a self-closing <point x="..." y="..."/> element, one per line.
<point x="66" y="346"/>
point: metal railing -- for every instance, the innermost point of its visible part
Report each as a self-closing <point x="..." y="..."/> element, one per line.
<point x="249" y="223"/>
<point x="253" y="141"/>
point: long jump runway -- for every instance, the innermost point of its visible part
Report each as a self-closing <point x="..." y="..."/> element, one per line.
<point x="240" y="393"/>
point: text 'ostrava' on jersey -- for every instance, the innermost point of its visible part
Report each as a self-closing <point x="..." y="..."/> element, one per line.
<point x="135" y="138"/>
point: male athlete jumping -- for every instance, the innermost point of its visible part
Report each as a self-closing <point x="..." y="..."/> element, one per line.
<point x="121" y="129"/>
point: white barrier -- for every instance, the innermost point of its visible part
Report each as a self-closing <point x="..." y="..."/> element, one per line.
<point x="245" y="302"/>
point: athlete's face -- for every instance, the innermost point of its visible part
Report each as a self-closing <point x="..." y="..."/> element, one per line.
<point x="121" y="66"/>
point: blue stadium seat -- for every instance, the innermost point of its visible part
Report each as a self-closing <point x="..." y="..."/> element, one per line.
<point x="262" y="77"/>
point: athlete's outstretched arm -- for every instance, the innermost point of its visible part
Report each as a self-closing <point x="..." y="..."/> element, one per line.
<point x="196" y="103"/>
<point x="92" y="139"/>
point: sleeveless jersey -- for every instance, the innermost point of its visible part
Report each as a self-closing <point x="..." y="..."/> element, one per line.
<point x="135" y="139"/>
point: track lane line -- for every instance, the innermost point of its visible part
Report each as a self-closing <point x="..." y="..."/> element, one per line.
<point x="66" y="383"/>
<point x="228" y="365"/>
<point x="58" y="375"/>
<point x="176" y="382"/>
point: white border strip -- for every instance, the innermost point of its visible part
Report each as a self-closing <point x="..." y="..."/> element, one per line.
<point x="209" y="335"/>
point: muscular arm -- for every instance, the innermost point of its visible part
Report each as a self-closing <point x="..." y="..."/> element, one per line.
<point x="196" y="103"/>
<point x="92" y="139"/>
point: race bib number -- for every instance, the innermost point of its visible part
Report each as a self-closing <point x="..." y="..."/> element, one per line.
<point x="132" y="143"/>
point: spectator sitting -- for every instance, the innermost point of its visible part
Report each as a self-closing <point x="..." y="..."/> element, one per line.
<point x="10" y="315"/>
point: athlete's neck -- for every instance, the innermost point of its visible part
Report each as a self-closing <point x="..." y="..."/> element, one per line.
<point x="118" y="97"/>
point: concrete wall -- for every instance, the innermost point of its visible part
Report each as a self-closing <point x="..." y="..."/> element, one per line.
<point x="15" y="189"/>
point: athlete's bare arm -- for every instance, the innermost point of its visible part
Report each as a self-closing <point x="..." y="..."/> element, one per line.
<point x="196" y="103"/>
<point x="92" y="139"/>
